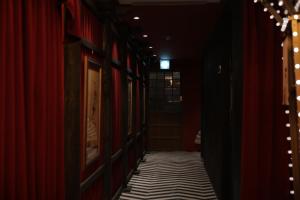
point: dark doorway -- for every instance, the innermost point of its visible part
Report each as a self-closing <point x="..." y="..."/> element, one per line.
<point x="165" y="111"/>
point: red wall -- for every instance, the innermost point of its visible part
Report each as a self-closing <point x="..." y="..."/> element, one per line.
<point x="190" y="90"/>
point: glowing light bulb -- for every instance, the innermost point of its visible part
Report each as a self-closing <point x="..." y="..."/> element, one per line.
<point x="296" y="49"/>
<point x="290" y="152"/>
<point x="295" y="34"/>
<point x="287" y="125"/>
<point x="290" y="165"/>
<point x="255" y="1"/>
<point x="280" y="3"/>
<point x="287" y="112"/>
<point x="271" y="16"/>
<point x="271" y="4"/>
<point x="291" y="178"/>
<point x="286" y="12"/>
<point x="288" y="138"/>
<point x="136" y="18"/>
<point x="278" y="24"/>
<point x="297" y="66"/>
<point x="292" y="192"/>
<point x="296" y="17"/>
<point x="278" y="11"/>
<point x="298" y="82"/>
<point x="265" y="9"/>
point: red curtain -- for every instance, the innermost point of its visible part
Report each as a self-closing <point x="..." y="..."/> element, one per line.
<point x="129" y="62"/>
<point x="264" y="161"/>
<point x="73" y="17"/>
<point x="116" y="77"/>
<point x="91" y="27"/>
<point x="31" y="101"/>
<point x="115" y="53"/>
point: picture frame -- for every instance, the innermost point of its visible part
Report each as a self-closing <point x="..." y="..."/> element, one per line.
<point x="92" y="109"/>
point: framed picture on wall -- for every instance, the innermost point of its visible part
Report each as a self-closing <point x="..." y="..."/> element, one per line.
<point x="92" y="110"/>
<point x="129" y="106"/>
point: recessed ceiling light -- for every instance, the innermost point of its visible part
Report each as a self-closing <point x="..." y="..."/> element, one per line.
<point x="150" y="47"/>
<point x="145" y="36"/>
<point x="136" y="18"/>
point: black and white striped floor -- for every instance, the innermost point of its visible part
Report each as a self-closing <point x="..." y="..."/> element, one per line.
<point x="171" y="176"/>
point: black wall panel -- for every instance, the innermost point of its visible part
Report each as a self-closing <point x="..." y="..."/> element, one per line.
<point x="222" y="103"/>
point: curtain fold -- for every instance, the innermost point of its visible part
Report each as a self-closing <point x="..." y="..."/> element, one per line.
<point x="91" y="27"/>
<point x="264" y="161"/>
<point x="116" y="78"/>
<point x="31" y="101"/>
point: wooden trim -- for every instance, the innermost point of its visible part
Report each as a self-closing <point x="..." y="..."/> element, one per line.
<point x="116" y="156"/>
<point x="72" y="120"/>
<point x="288" y="6"/>
<point x="117" y="66"/>
<point x="130" y="142"/>
<point x="92" y="47"/>
<point x="273" y="11"/>
<point x="293" y="116"/>
<point x="87" y="183"/>
<point x="118" y="193"/>
<point x="116" y="63"/>
<point x="124" y="129"/>
<point x="107" y="107"/>
<point x="128" y="177"/>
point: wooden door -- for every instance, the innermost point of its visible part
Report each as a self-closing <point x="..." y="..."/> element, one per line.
<point x="165" y="124"/>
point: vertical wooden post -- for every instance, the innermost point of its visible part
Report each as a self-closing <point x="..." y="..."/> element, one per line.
<point x="107" y="108"/>
<point x="124" y="133"/>
<point x="72" y="121"/>
<point x="294" y="74"/>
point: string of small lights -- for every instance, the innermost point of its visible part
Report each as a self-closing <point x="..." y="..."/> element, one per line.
<point x="286" y="17"/>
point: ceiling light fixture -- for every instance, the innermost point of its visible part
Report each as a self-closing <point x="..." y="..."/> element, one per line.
<point x="136" y="18"/>
<point x="150" y="47"/>
<point x="145" y="36"/>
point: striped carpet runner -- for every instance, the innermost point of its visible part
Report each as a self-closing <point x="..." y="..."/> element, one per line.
<point x="171" y="176"/>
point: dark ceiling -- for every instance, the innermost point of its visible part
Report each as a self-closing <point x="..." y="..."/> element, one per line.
<point x="175" y="31"/>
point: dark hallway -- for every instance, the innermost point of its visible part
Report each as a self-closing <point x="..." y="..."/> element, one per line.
<point x="149" y="99"/>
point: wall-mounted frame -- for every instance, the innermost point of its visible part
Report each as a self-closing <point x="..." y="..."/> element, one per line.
<point x="92" y="107"/>
<point x="130" y="99"/>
